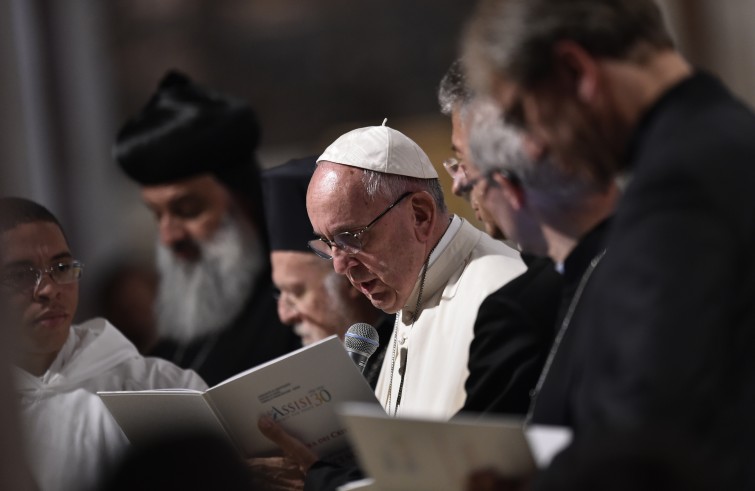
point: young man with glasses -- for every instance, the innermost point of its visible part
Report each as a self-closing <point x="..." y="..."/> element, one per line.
<point x="71" y="439"/>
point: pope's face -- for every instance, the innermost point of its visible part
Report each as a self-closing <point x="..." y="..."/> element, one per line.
<point x="387" y="267"/>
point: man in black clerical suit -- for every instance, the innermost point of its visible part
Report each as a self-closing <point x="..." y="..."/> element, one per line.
<point x="668" y="337"/>
<point x="515" y="325"/>
<point x="192" y="152"/>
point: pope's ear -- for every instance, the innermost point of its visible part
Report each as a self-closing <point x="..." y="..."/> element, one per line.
<point x="576" y="70"/>
<point x="424" y="214"/>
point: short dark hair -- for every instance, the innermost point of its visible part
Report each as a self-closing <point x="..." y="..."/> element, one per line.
<point x="516" y="37"/>
<point x="16" y="211"/>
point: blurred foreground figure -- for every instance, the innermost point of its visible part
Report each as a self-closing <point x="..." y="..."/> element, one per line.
<point x="313" y="299"/>
<point x="666" y="336"/>
<point x="70" y="438"/>
<point x="192" y="152"/>
<point x="14" y="471"/>
<point x="186" y="462"/>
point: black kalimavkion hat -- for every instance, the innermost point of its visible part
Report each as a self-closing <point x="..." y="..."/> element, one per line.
<point x="284" y="189"/>
<point x="185" y="130"/>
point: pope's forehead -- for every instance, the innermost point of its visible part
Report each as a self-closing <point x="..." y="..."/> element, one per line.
<point x="336" y="181"/>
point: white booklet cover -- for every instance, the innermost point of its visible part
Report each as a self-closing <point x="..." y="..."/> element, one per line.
<point x="299" y="390"/>
<point x="432" y="455"/>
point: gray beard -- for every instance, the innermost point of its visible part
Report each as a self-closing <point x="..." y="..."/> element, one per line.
<point x="200" y="298"/>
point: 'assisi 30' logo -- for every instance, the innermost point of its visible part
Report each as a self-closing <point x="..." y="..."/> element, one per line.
<point x="315" y="398"/>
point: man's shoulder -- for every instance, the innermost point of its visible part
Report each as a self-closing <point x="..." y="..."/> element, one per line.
<point x="482" y="245"/>
<point x="539" y="279"/>
<point x="698" y="120"/>
<point x="492" y="253"/>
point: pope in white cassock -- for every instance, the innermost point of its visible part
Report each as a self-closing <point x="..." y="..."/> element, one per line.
<point x="71" y="440"/>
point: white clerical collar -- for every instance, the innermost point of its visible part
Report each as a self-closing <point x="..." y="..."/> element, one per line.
<point x="453" y="227"/>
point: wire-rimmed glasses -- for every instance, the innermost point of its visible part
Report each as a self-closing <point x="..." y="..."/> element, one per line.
<point x="24" y="278"/>
<point x="349" y="242"/>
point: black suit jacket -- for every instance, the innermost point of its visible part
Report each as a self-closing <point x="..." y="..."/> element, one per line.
<point x="551" y="403"/>
<point x="669" y="339"/>
<point x="512" y="335"/>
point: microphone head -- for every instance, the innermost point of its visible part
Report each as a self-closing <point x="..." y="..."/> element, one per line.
<point x="361" y="338"/>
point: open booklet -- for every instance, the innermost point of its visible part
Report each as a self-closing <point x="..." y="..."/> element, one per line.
<point x="423" y="455"/>
<point x="299" y="391"/>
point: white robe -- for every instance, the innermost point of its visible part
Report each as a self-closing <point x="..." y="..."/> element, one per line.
<point x="71" y="439"/>
<point x="466" y="267"/>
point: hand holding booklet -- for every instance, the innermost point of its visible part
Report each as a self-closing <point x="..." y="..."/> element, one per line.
<point x="299" y="391"/>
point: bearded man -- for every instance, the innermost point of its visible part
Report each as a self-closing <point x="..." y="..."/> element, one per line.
<point x="192" y="152"/>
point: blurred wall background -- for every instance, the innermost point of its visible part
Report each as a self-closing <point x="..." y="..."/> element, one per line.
<point x="73" y="70"/>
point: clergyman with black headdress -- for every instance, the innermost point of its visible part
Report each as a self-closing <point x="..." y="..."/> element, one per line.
<point x="313" y="299"/>
<point x="193" y="153"/>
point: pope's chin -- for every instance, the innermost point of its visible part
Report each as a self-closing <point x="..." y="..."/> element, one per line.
<point x="385" y="300"/>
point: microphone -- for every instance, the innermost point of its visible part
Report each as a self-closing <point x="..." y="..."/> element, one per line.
<point x="361" y="341"/>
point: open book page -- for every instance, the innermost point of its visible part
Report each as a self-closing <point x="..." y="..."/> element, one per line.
<point x="426" y="455"/>
<point x="299" y="391"/>
<point x="143" y="415"/>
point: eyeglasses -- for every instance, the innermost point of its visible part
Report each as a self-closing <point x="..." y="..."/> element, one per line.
<point x="488" y="176"/>
<point x="29" y="278"/>
<point x="453" y="167"/>
<point x="349" y="242"/>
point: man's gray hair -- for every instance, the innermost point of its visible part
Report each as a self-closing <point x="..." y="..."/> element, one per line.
<point x="453" y="91"/>
<point x="391" y="186"/>
<point x="497" y="146"/>
<point x="516" y="37"/>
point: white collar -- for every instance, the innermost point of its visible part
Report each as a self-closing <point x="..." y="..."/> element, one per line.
<point x="453" y="227"/>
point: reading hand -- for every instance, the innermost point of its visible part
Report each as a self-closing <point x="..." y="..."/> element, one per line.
<point x="292" y="447"/>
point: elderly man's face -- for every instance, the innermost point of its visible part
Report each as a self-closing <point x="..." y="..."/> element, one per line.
<point x="465" y="172"/>
<point x="387" y="267"/>
<point x="188" y="212"/>
<point x="314" y="300"/>
<point x="45" y="312"/>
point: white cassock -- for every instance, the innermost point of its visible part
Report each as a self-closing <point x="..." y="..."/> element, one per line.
<point x="71" y="439"/>
<point x="466" y="267"/>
